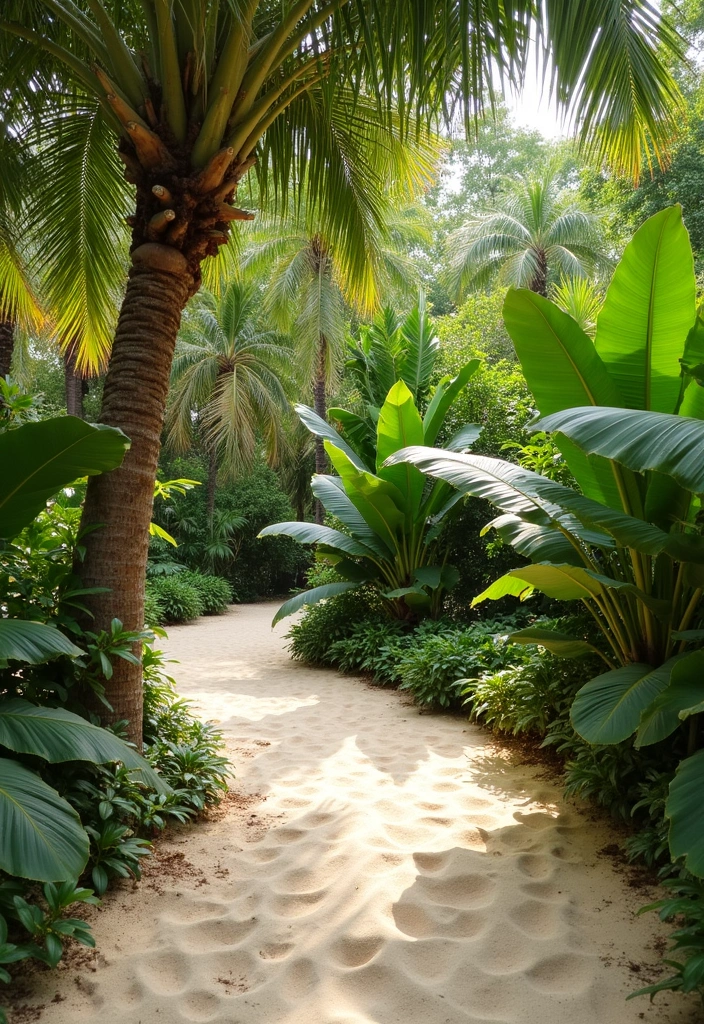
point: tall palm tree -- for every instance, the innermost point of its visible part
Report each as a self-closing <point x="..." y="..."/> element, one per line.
<point x="197" y="91"/>
<point x="536" y="233"/>
<point x="227" y="382"/>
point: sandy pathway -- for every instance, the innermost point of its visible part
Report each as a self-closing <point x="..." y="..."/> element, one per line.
<point x="392" y="868"/>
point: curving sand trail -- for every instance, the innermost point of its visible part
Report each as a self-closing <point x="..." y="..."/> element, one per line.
<point x="375" y="866"/>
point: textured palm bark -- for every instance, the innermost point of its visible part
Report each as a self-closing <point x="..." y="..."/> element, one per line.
<point x="134" y="399"/>
<point x="7" y="344"/>
<point x="539" y="284"/>
<point x="74" y="384"/>
<point x="320" y="406"/>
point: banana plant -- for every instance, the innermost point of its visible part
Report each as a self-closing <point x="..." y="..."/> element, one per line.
<point x="391" y="519"/>
<point x="626" y="410"/>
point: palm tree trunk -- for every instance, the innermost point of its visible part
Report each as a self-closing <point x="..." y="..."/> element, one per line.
<point x="73" y="384"/>
<point x="7" y="344"/>
<point x="320" y="406"/>
<point x="212" y="482"/>
<point x="539" y="284"/>
<point x="134" y="399"/>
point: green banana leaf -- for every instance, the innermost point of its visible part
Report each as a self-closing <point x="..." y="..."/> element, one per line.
<point x="642" y="441"/>
<point x="41" y="836"/>
<point x="379" y="502"/>
<point x="442" y="401"/>
<point x="647" y="313"/>
<point x="398" y="427"/>
<point x="559" y="644"/>
<point x="609" y="707"/>
<point x="538" y="543"/>
<point x="358" y="431"/>
<point x="680" y="699"/>
<point x="33" y="642"/>
<point x="58" y="735"/>
<point x="685" y="811"/>
<point x="464" y="438"/>
<point x="313" y="533"/>
<point x="422" y="346"/>
<point x="320" y="428"/>
<point x="330" y="492"/>
<point x="38" y="459"/>
<point x="544" y="335"/>
<point x="312" y="597"/>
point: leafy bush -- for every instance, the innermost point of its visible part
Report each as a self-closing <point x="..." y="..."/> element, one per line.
<point x="179" y="600"/>
<point x="153" y="608"/>
<point x="322" y="624"/>
<point x="215" y="592"/>
<point x="372" y="646"/>
<point x="686" y="905"/>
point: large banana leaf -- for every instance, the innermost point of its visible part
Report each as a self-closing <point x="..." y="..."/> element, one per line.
<point x="379" y="502"/>
<point x="33" y="642"/>
<point x="543" y="336"/>
<point x="331" y="493"/>
<point x="673" y="445"/>
<point x="41" y="836"/>
<point x="359" y="432"/>
<point x="400" y="426"/>
<point x="608" y="708"/>
<point x="313" y="533"/>
<point x="648" y="312"/>
<point x="312" y="597"/>
<point x="422" y="347"/>
<point x="58" y="735"/>
<point x="320" y="428"/>
<point x="676" y="702"/>
<point x="38" y="459"/>
<point x="535" y="498"/>
<point x="445" y="395"/>
<point x="559" y="644"/>
<point x="539" y="543"/>
<point x="685" y="810"/>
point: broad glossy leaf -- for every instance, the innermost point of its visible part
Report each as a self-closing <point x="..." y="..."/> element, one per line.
<point x="442" y="401"/>
<point x="539" y="543"/>
<point x="507" y="585"/>
<point x="33" y="642"/>
<point x="608" y="708"/>
<point x="559" y="644"/>
<point x="378" y="501"/>
<point x="314" y="533"/>
<point x="358" y="431"/>
<point x="686" y="690"/>
<point x="688" y="635"/>
<point x="41" y="836"/>
<point x="561" y="582"/>
<point x="544" y="335"/>
<point x="398" y="427"/>
<point x="58" y="735"/>
<point x="673" y="445"/>
<point x="648" y="312"/>
<point x="330" y="491"/>
<point x="38" y="459"/>
<point x="685" y="809"/>
<point x="312" y="597"/>
<point x="422" y="347"/>
<point x="320" y="428"/>
<point x="464" y="438"/>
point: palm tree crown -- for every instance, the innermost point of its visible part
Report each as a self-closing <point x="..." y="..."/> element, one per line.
<point x="536" y="234"/>
<point x="227" y="379"/>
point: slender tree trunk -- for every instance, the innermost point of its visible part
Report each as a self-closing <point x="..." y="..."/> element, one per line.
<point x="320" y="406"/>
<point x="7" y="344"/>
<point x="134" y="399"/>
<point x="212" y="482"/>
<point x="539" y="283"/>
<point x="73" y="384"/>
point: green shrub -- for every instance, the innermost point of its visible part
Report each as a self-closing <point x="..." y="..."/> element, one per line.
<point x="216" y="593"/>
<point x="372" y="646"/>
<point x="686" y="906"/>
<point x="179" y="600"/>
<point x="153" y="608"/>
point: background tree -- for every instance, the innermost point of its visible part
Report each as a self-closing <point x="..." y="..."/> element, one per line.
<point x="536" y="233"/>
<point x="224" y="85"/>
<point x="227" y="383"/>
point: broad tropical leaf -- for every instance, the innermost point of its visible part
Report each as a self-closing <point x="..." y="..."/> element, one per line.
<point x="313" y="533"/>
<point x="538" y="543"/>
<point x="685" y="810"/>
<point x="40" y="458"/>
<point x="379" y="502"/>
<point x="544" y="335"/>
<point x="648" y="311"/>
<point x="400" y="425"/>
<point x="608" y="708"/>
<point x="320" y="428"/>
<point x="41" y="836"/>
<point x="559" y="644"/>
<point x="33" y="642"/>
<point x="464" y="438"/>
<point x="58" y="735"/>
<point x="422" y="348"/>
<point x="312" y="597"/>
<point x="680" y="699"/>
<point x="330" y="491"/>
<point x="561" y="582"/>
<point x="642" y="441"/>
<point x="445" y="395"/>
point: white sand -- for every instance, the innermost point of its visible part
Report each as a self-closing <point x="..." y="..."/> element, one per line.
<point x="392" y="868"/>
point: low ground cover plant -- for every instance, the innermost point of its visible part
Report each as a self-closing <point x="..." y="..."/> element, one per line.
<point x="184" y="595"/>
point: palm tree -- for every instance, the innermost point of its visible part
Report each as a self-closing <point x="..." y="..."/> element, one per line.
<point x="226" y="382"/>
<point x="582" y="299"/>
<point x="535" y="233"/>
<point x="197" y="91"/>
